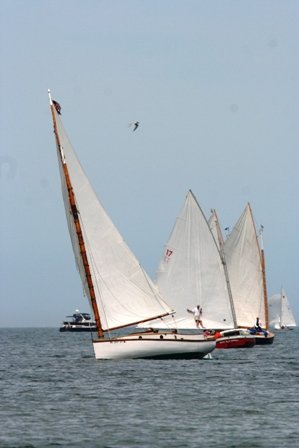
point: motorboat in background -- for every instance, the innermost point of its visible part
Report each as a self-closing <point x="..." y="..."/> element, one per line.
<point x="79" y="322"/>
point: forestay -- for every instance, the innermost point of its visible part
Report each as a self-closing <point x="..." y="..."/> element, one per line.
<point x="125" y="295"/>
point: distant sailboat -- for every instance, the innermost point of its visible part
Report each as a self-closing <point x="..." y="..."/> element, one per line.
<point x="228" y="339"/>
<point x="120" y="292"/>
<point x="192" y="272"/>
<point x="280" y="314"/>
<point x="246" y="269"/>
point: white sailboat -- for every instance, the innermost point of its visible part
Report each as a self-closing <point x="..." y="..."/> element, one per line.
<point x="246" y="269"/>
<point x="280" y="314"/>
<point x="238" y="337"/>
<point x="192" y="272"/>
<point x="120" y="292"/>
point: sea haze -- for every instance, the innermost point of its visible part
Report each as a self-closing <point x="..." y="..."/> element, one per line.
<point x="54" y="393"/>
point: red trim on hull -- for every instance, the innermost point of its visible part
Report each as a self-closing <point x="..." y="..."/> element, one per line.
<point x="233" y="342"/>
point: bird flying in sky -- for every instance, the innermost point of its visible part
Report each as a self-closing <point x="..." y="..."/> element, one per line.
<point x="135" y="124"/>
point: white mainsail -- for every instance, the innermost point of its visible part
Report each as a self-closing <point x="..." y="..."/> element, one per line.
<point x="191" y="271"/>
<point x="125" y="295"/>
<point x="280" y="313"/>
<point x="244" y="264"/>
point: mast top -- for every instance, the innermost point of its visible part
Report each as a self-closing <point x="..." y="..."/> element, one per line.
<point x="50" y="97"/>
<point x="261" y="237"/>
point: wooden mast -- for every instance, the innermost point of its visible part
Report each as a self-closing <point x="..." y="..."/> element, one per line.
<point x="264" y="279"/>
<point x="75" y="213"/>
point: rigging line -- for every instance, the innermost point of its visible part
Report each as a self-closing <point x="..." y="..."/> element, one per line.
<point x="165" y="322"/>
<point x="168" y="324"/>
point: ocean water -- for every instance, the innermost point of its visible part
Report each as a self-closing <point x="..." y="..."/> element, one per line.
<point x="55" y="394"/>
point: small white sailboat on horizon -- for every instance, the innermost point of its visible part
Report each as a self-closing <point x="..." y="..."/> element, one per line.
<point x="119" y="291"/>
<point x="280" y="314"/>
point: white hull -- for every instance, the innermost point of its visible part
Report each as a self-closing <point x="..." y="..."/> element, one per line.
<point x="154" y="345"/>
<point x="284" y="327"/>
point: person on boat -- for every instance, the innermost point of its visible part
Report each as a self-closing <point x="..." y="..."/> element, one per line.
<point x="257" y="329"/>
<point x="216" y="334"/>
<point x="197" y="313"/>
<point x="261" y="330"/>
<point x="258" y="325"/>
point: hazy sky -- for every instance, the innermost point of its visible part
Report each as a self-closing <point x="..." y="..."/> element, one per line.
<point x="215" y="86"/>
